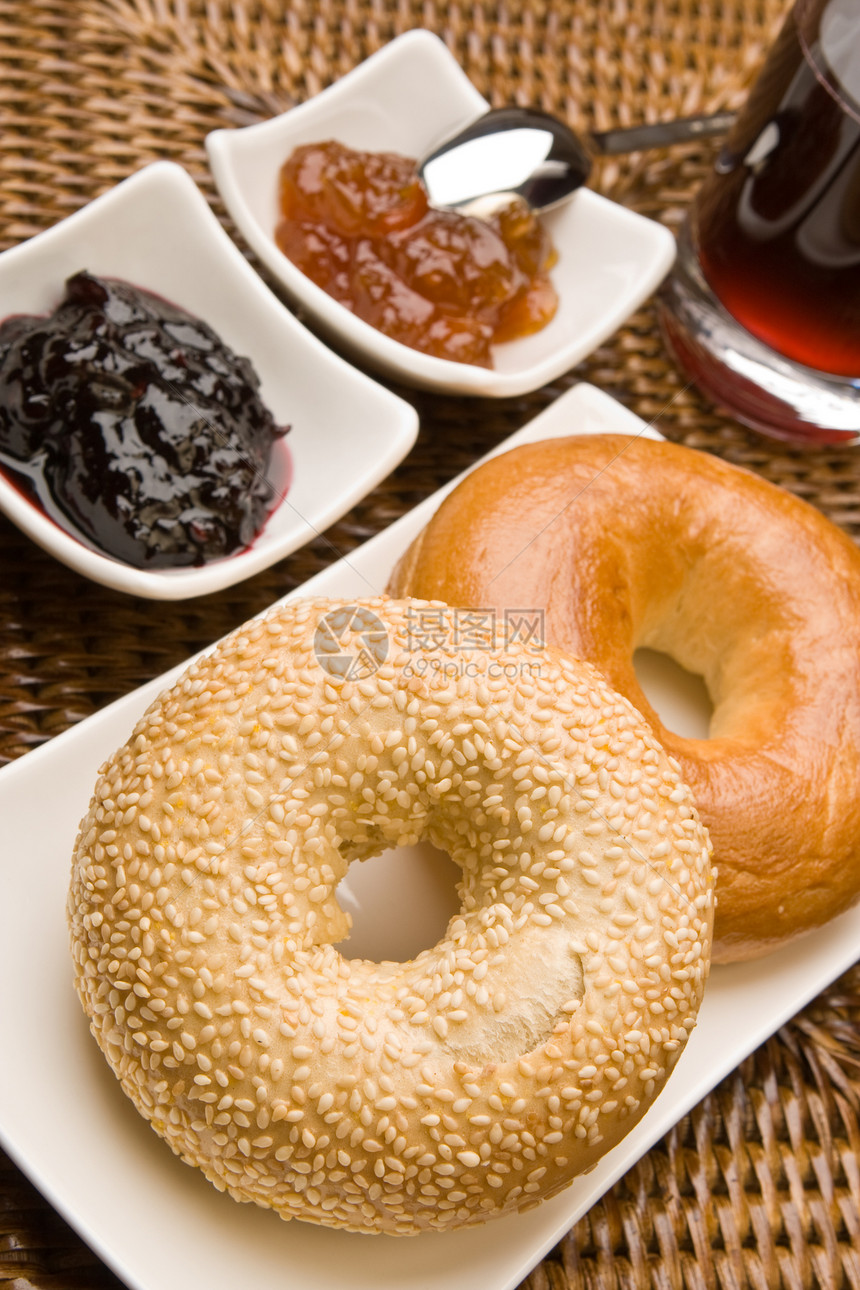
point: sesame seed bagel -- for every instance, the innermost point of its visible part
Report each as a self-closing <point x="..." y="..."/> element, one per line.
<point x="473" y="1080"/>
<point x="630" y="542"/>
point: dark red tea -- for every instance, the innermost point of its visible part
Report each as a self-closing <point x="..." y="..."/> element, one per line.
<point x="778" y="223"/>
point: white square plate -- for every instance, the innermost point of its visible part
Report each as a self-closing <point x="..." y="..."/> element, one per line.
<point x="157" y="1222"/>
<point x="407" y="98"/>
<point x="157" y="231"/>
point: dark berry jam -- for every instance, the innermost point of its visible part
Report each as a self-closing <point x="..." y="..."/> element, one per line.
<point x="132" y="422"/>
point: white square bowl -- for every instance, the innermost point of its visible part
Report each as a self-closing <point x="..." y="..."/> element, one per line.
<point x="405" y="99"/>
<point x="156" y="230"/>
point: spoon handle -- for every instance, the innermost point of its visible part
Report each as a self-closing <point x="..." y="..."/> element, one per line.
<point x="636" y="138"/>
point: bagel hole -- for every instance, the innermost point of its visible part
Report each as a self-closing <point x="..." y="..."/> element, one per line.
<point x="400" y="902"/>
<point x="680" y="698"/>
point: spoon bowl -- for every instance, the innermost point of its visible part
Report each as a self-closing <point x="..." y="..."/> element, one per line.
<point x="516" y="151"/>
<point x="511" y="151"/>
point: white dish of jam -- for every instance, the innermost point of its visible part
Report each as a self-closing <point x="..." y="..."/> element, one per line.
<point x="343" y="433"/>
<point x="405" y="99"/>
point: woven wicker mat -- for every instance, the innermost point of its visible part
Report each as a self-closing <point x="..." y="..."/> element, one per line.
<point x="760" y="1185"/>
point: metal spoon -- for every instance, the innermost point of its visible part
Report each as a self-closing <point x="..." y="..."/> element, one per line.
<point x="523" y="151"/>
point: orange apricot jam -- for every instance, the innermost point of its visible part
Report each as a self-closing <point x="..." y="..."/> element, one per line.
<point x="359" y="225"/>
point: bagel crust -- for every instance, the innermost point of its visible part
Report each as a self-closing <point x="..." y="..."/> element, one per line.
<point x="630" y="542"/>
<point x="479" y="1077"/>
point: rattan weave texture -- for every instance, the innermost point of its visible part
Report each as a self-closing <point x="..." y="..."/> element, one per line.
<point x="760" y="1186"/>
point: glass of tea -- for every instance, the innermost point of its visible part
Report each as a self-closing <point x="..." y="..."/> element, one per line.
<point x="763" y="306"/>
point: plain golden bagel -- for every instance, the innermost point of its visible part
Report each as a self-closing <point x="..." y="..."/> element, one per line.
<point x="477" y="1078"/>
<point x="630" y="542"/>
